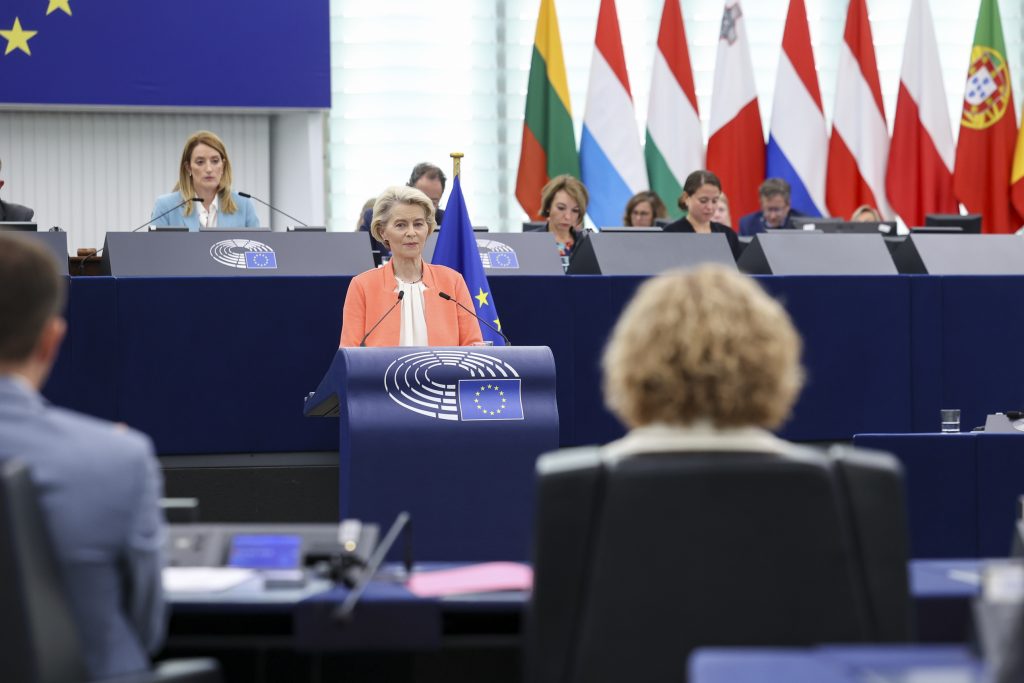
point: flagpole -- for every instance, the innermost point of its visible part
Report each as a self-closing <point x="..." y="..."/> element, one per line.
<point x="456" y="163"/>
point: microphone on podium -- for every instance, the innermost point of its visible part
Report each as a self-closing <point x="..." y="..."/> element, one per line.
<point x="183" y="202"/>
<point x="272" y="208"/>
<point x="386" y="314"/>
<point x="448" y="297"/>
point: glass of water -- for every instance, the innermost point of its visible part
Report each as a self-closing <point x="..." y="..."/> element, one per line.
<point x="950" y="420"/>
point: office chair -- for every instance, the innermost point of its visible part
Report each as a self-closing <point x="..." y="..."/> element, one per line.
<point x="638" y="562"/>
<point x="40" y="642"/>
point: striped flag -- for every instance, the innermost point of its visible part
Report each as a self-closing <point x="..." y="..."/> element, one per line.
<point x="920" y="175"/>
<point x="549" y="142"/>
<point x="798" y="140"/>
<point x="1017" y="174"/>
<point x="675" y="144"/>
<point x="988" y="128"/>
<point x="736" y="142"/>
<point x="859" y="148"/>
<point x="610" y="158"/>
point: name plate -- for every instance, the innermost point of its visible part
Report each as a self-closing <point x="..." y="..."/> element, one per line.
<point x="235" y="253"/>
<point x="511" y="253"/>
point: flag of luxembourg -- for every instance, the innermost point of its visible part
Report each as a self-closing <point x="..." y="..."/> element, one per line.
<point x="798" y="141"/>
<point x="611" y="163"/>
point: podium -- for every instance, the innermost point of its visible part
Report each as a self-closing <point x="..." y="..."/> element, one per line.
<point x="450" y="434"/>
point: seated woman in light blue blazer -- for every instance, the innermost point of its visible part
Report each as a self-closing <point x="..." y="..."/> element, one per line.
<point x="204" y="173"/>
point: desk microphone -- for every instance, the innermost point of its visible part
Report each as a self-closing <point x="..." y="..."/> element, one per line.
<point x="343" y="614"/>
<point x="401" y="293"/>
<point x="272" y="208"/>
<point x="448" y="297"/>
<point x="81" y="265"/>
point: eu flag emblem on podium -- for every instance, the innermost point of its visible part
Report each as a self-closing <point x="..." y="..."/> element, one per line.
<point x="456" y="248"/>
<point x="490" y="399"/>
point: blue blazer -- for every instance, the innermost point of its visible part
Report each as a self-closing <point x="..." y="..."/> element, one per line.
<point x="98" y="485"/>
<point x="244" y="217"/>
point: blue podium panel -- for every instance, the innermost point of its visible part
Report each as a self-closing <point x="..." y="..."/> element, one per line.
<point x="857" y="350"/>
<point x="235" y="253"/>
<point x="940" y="471"/>
<point x="1001" y="481"/>
<point x="82" y="376"/>
<point x="221" y="365"/>
<point x="449" y="434"/>
<point x="982" y="331"/>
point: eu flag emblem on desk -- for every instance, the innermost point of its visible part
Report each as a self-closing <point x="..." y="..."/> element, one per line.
<point x="490" y="399"/>
<point x="260" y="259"/>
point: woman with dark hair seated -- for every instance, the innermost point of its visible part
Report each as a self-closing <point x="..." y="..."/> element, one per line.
<point x="642" y="209"/>
<point x="563" y="201"/>
<point x="701" y="192"/>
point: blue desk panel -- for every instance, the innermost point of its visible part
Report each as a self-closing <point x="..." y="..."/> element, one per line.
<point x="942" y="499"/>
<point x="220" y="365"/>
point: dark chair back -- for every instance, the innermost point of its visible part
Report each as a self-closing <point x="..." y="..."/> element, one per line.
<point x="637" y="562"/>
<point x="40" y="642"/>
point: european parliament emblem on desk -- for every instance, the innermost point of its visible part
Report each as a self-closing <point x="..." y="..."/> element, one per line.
<point x="460" y="386"/>
<point x="244" y="254"/>
<point x="494" y="254"/>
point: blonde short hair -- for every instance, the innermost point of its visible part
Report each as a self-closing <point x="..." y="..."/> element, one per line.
<point x="703" y="344"/>
<point x="571" y="186"/>
<point x="400" y="194"/>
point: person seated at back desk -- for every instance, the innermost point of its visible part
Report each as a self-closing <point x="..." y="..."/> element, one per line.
<point x="775" y="212"/>
<point x="98" y="483"/>
<point x="13" y="213"/>
<point x="204" y="172"/>
<point x="701" y="192"/>
<point x="428" y="179"/>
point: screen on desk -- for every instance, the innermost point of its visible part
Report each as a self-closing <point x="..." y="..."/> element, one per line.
<point x="264" y="551"/>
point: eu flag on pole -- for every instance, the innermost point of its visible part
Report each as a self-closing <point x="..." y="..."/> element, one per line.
<point x="456" y="248"/>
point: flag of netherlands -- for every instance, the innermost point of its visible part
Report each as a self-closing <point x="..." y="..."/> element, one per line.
<point x="798" y="140"/>
<point x="675" y="143"/>
<point x="859" y="148"/>
<point x="736" y="139"/>
<point x="920" y="175"/>
<point x="611" y="163"/>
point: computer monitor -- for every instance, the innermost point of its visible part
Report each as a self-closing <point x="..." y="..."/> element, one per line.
<point x="629" y="230"/>
<point x="306" y="228"/>
<point x="216" y="229"/>
<point x="969" y="223"/>
<point x="535" y="226"/>
<point x="168" y="228"/>
<point x="810" y="222"/>
<point x="18" y="226"/>
<point x="938" y="230"/>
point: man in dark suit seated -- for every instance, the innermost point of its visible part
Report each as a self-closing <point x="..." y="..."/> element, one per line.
<point x="428" y="179"/>
<point x="775" y="210"/>
<point x="98" y="483"/>
<point x="13" y="213"/>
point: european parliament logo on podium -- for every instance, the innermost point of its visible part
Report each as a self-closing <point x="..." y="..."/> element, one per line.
<point x="455" y="385"/>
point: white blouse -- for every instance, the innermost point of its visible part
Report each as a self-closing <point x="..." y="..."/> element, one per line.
<point x="208" y="218"/>
<point x="414" y="318"/>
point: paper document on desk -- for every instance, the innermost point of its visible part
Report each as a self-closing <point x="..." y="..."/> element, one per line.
<point x="204" y="579"/>
<point x="474" y="578"/>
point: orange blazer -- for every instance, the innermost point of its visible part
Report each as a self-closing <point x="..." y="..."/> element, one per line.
<point x="372" y="293"/>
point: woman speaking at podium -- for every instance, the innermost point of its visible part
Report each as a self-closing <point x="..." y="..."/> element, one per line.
<point x="407" y="302"/>
<point x="204" y="173"/>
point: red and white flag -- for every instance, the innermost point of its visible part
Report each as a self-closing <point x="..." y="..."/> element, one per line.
<point x="736" y="142"/>
<point x="859" y="148"/>
<point x="920" y="175"/>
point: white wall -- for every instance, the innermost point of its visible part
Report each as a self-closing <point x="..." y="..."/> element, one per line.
<point x="90" y="172"/>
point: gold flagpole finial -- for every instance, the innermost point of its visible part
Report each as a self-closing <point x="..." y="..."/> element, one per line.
<point x="456" y="162"/>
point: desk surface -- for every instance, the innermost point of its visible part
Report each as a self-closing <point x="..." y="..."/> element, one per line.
<point x="836" y="664"/>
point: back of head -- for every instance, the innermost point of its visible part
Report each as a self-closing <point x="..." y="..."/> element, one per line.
<point x="707" y="344"/>
<point x="427" y="170"/>
<point x="31" y="293"/>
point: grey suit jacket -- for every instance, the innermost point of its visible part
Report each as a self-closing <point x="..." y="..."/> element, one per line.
<point x="99" y="486"/>
<point x="15" y="212"/>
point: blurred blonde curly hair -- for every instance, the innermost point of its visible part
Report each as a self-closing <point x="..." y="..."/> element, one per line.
<point x="706" y="344"/>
